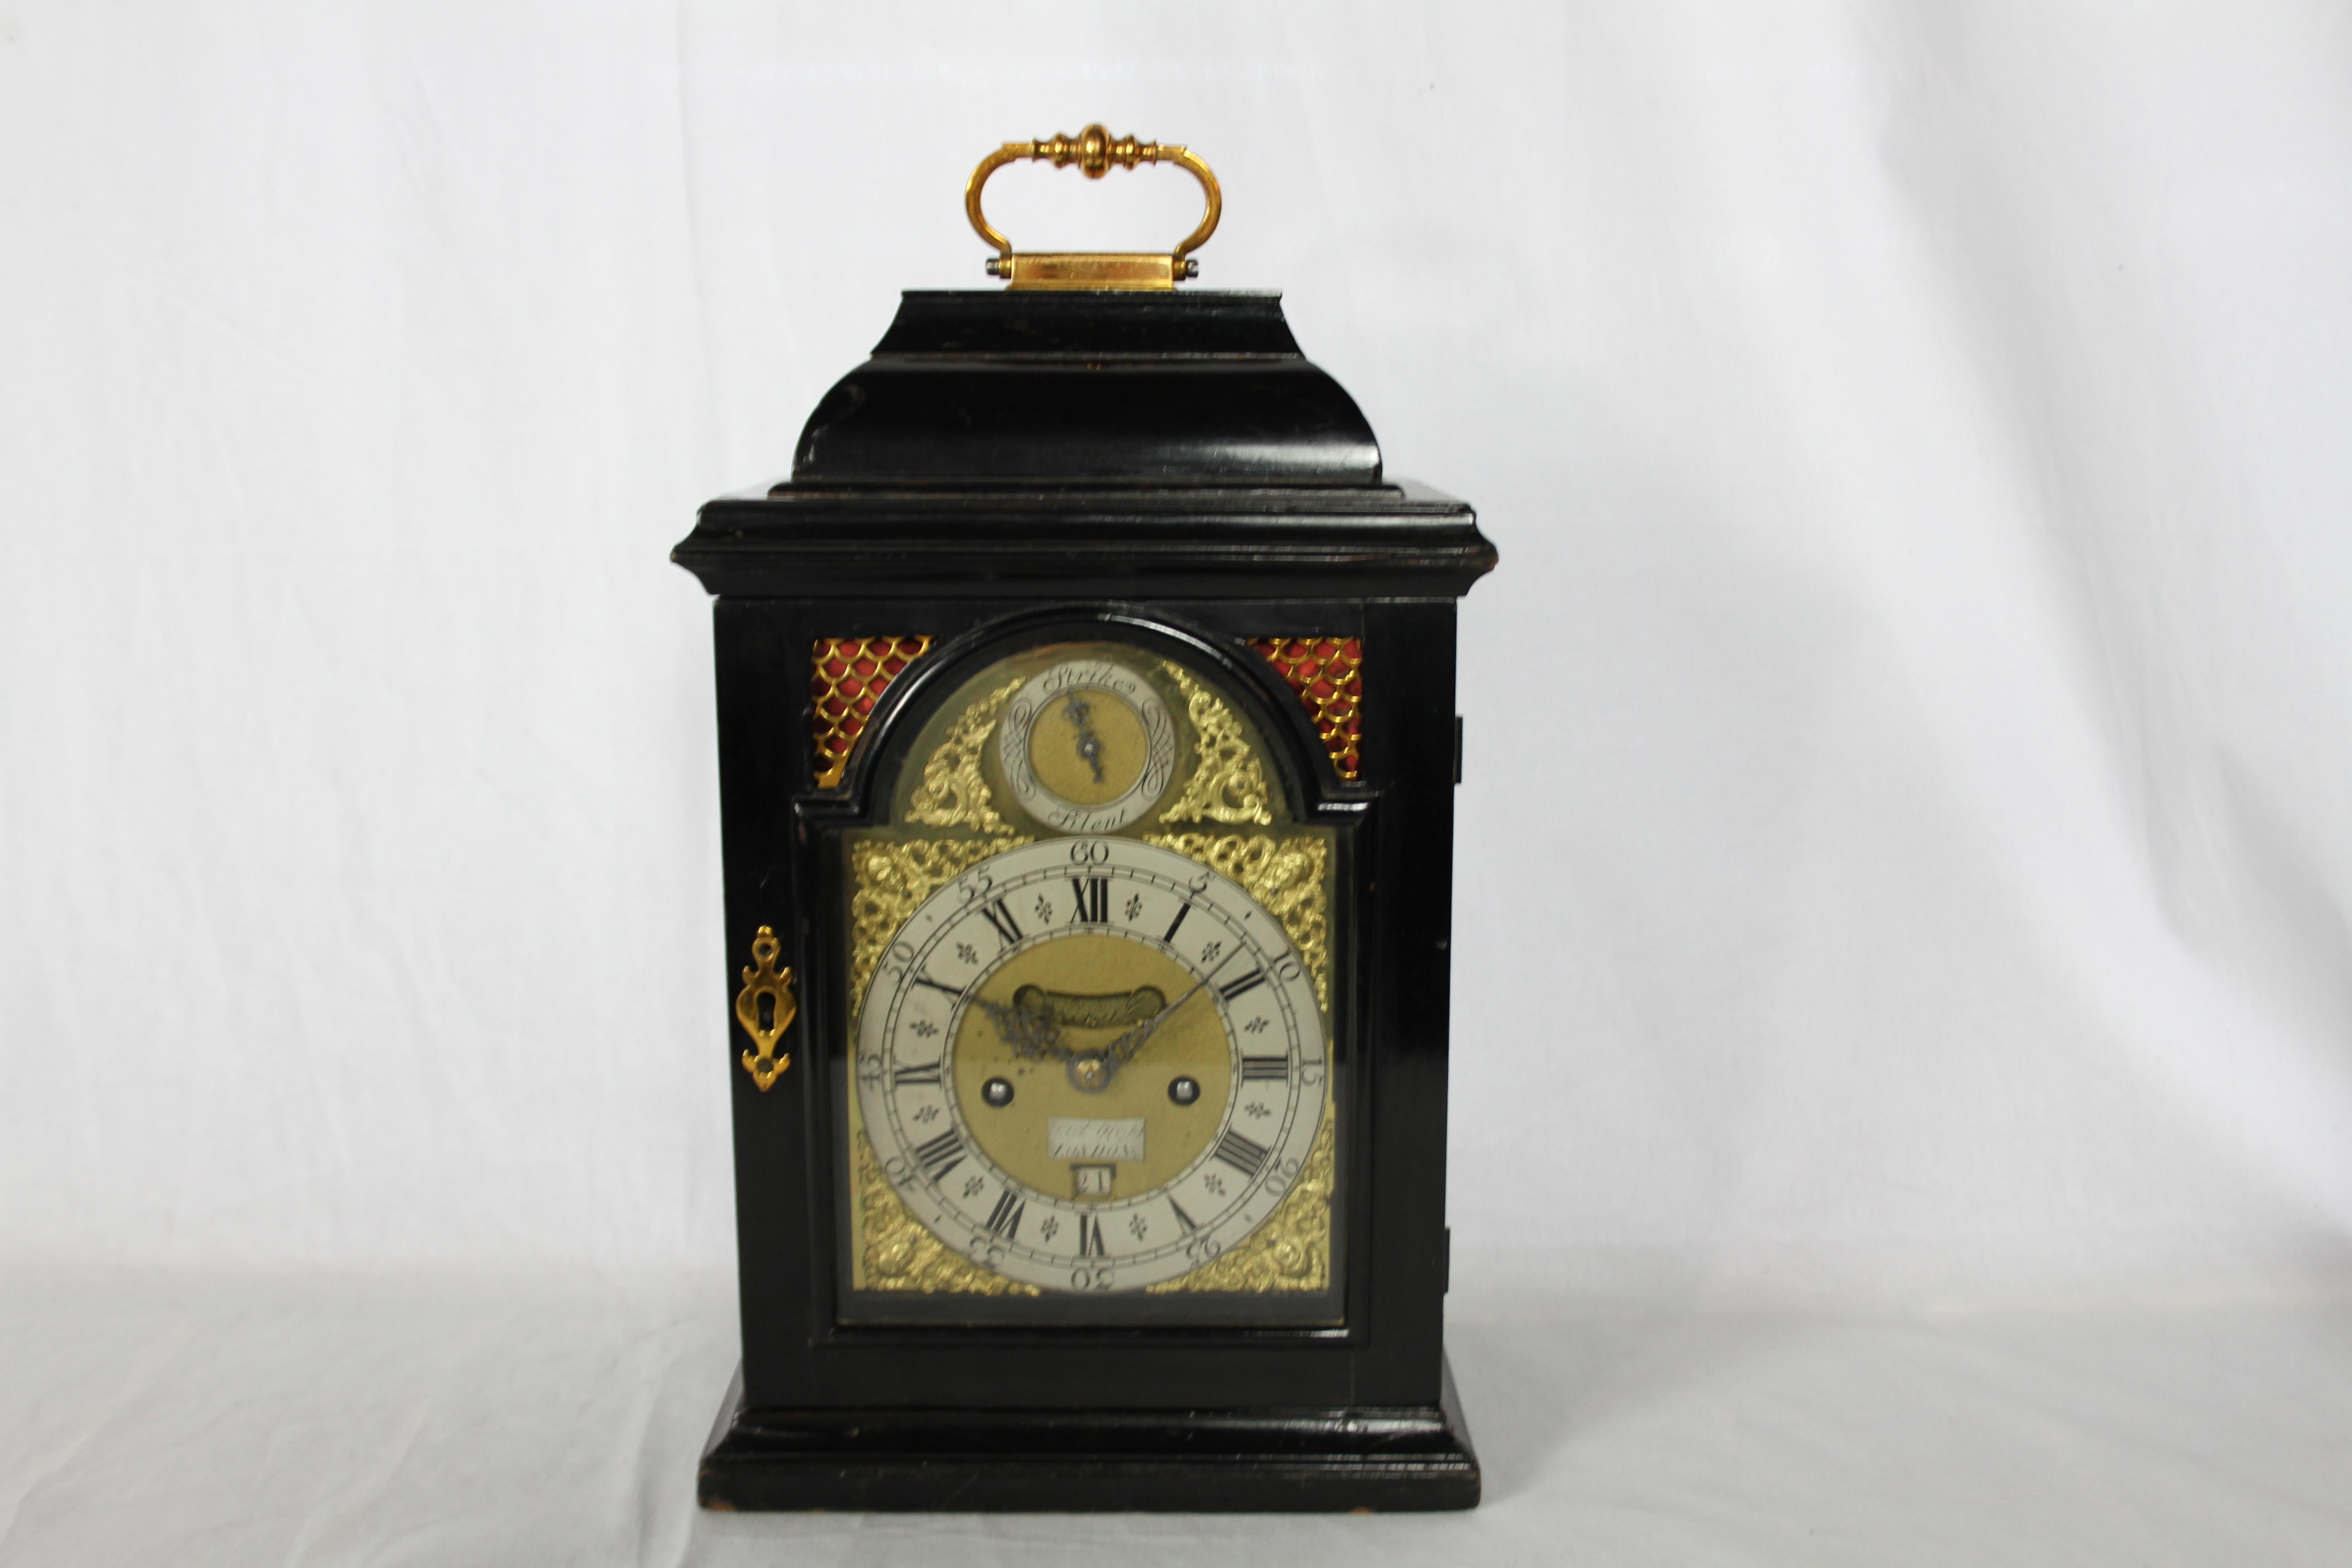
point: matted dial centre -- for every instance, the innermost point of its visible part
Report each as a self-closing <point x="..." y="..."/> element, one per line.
<point x="1087" y="994"/>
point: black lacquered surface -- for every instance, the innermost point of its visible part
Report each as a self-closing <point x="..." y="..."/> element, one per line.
<point x="1061" y="388"/>
<point x="1250" y="1461"/>
<point x="1110" y="536"/>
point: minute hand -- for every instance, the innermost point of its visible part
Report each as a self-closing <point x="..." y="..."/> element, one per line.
<point x="1127" y="1044"/>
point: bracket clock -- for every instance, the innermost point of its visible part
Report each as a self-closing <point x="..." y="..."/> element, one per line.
<point x="1087" y="754"/>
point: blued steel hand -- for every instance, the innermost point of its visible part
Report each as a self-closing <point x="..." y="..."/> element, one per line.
<point x="1127" y="1044"/>
<point x="1030" y="1032"/>
<point x="1077" y="711"/>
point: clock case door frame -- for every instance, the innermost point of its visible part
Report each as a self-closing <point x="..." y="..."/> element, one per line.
<point x="1390" y="991"/>
<point x="877" y="774"/>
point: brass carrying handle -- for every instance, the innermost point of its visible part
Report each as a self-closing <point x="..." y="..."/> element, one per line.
<point x="1094" y="151"/>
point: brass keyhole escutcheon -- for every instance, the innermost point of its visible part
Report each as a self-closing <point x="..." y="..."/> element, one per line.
<point x="764" y="983"/>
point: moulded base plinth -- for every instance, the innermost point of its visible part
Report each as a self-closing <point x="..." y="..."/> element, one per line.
<point x="1280" y="1461"/>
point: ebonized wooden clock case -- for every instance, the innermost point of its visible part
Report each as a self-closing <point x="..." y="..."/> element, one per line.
<point x="1041" y="531"/>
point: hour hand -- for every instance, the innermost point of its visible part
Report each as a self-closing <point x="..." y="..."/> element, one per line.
<point x="1078" y="711"/>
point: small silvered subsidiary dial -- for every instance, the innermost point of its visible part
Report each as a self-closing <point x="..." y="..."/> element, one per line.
<point x="1091" y="1064"/>
<point x="1086" y="746"/>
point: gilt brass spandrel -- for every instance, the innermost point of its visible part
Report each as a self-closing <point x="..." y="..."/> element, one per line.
<point x="953" y="793"/>
<point x="890" y="1248"/>
<point x="889" y="877"/>
<point x="1288" y="873"/>
<point x="1228" y="782"/>
<point x="1292" y="1250"/>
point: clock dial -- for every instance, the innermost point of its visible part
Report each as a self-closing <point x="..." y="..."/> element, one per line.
<point x="1091" y="1064"/>
<point x="1087" y="746"/>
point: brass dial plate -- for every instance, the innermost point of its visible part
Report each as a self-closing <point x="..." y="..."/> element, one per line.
<point x="1092" y="1064"/>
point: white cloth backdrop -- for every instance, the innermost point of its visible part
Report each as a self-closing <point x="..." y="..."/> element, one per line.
<point x="1902" y="1020"/>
